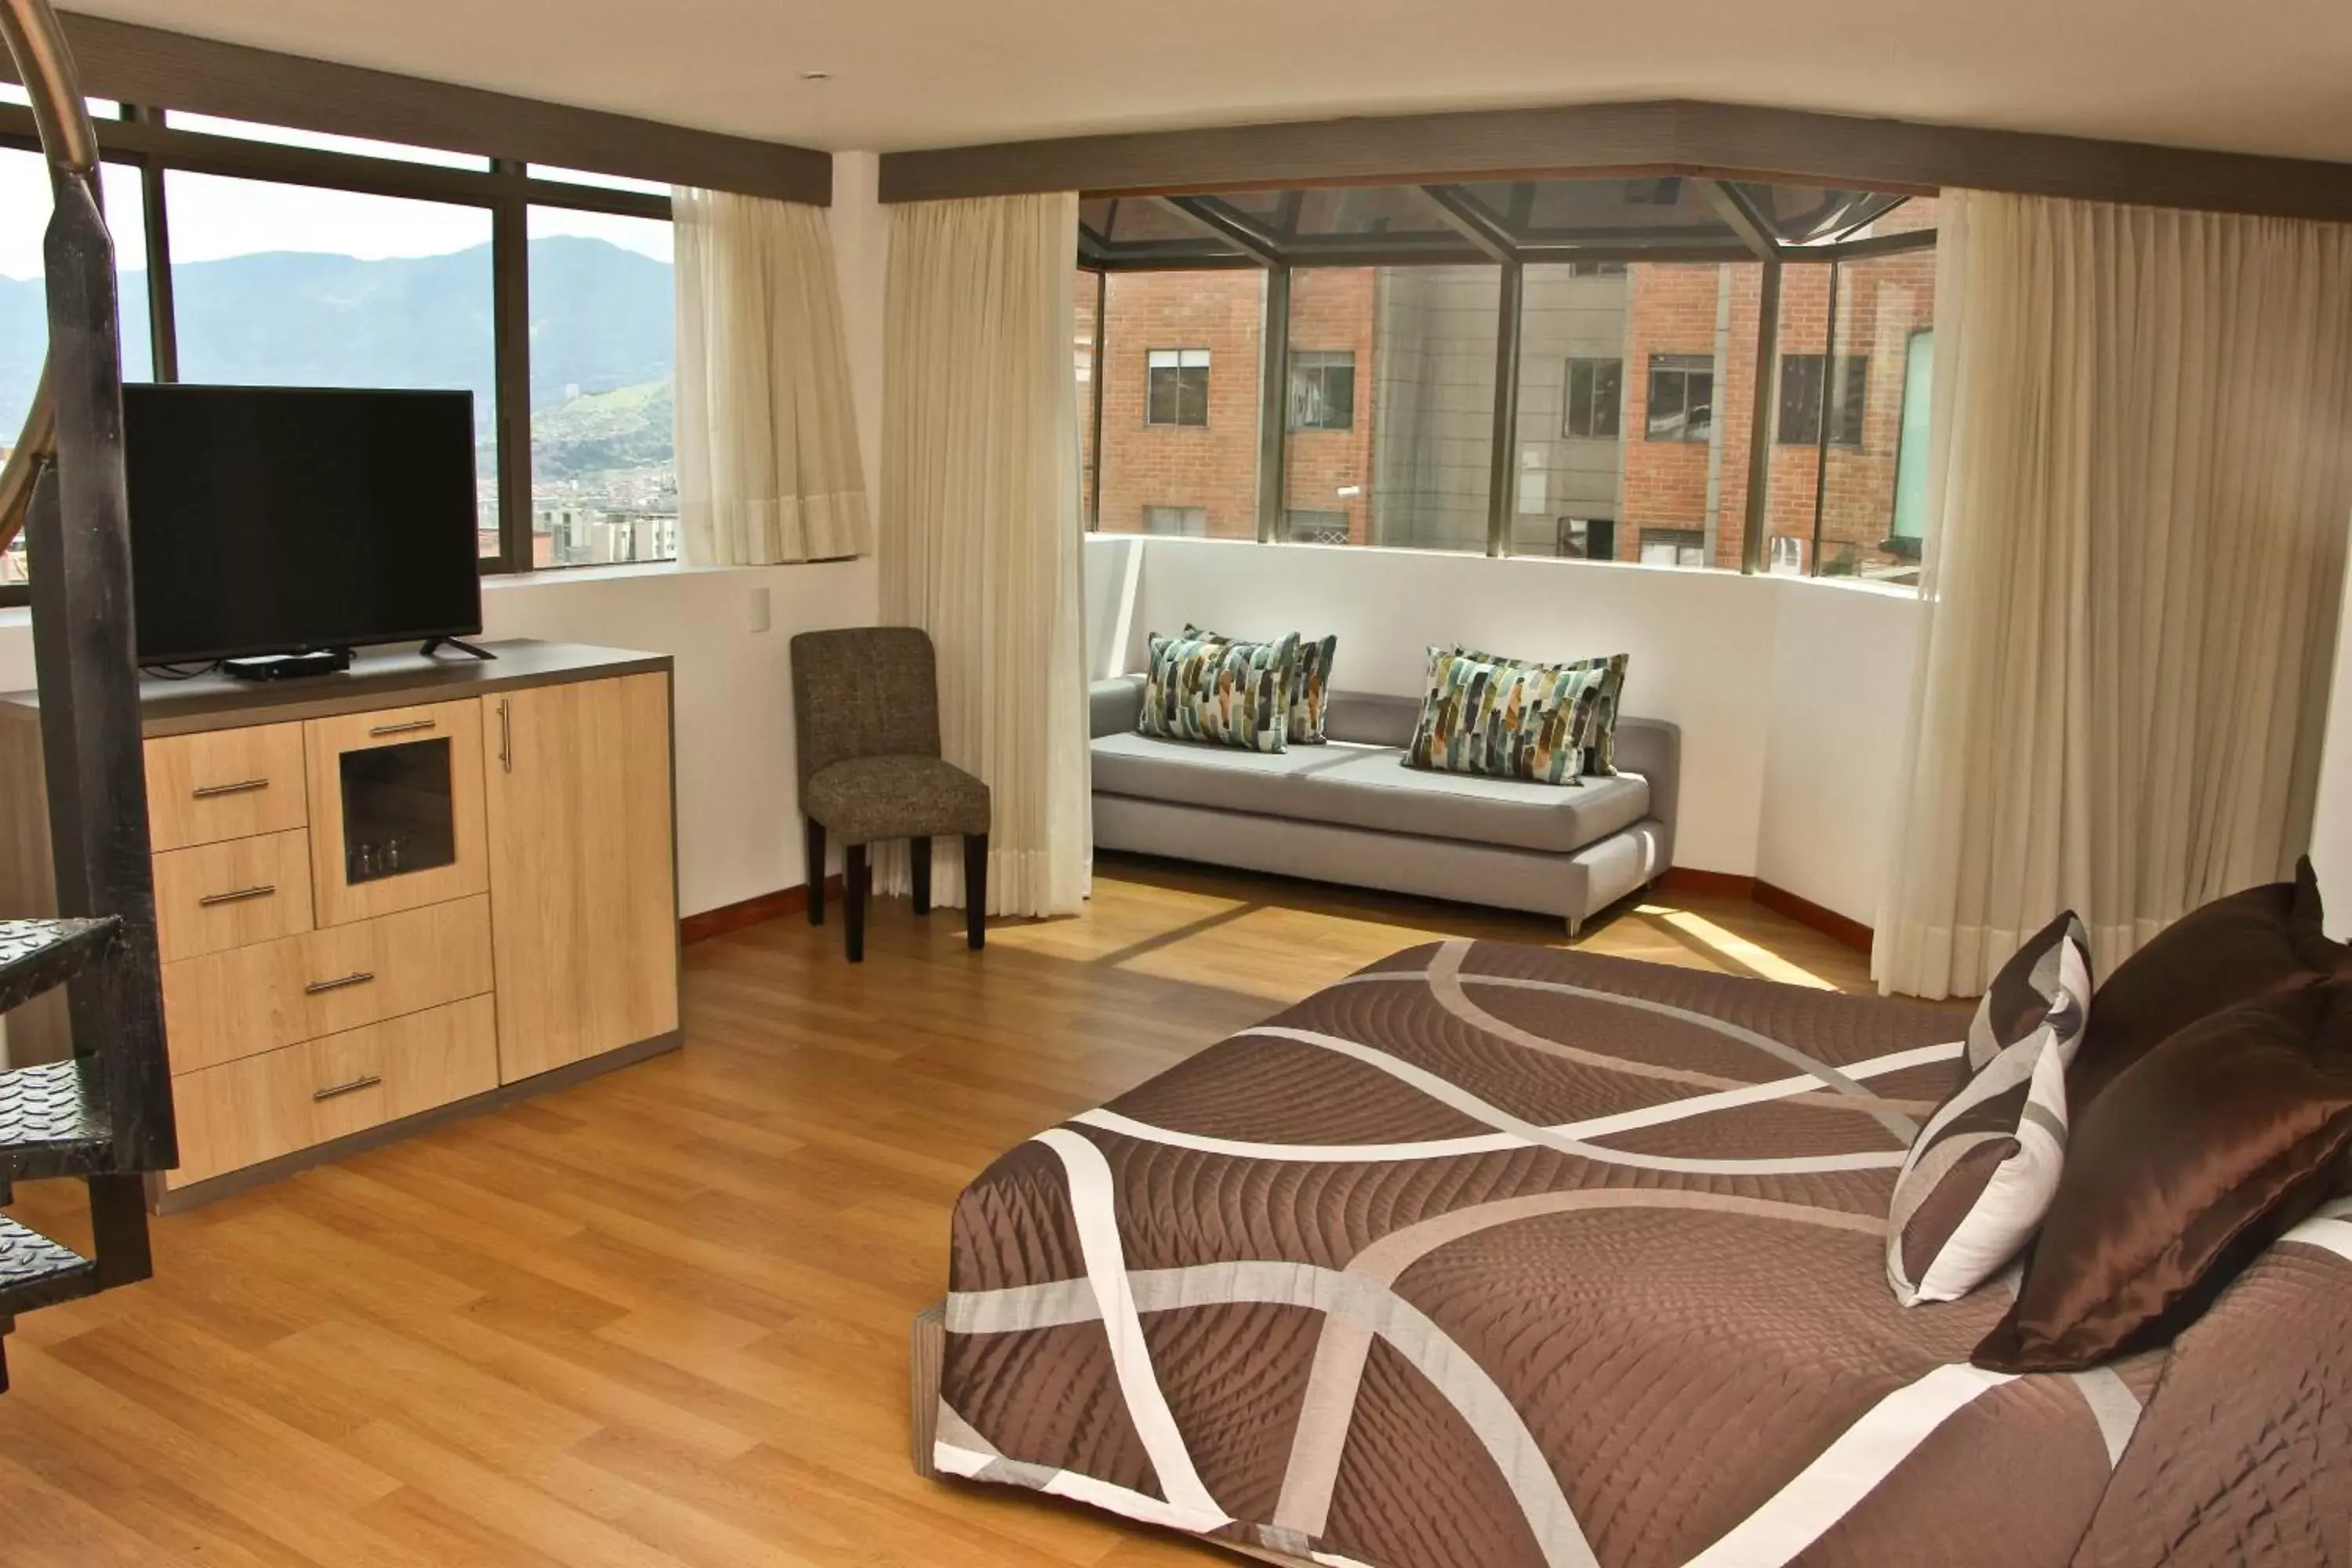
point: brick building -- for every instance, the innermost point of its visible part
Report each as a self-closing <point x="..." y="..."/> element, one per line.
<point x="1636" y="407"/>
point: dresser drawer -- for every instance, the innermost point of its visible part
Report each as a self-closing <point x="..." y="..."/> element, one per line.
<point x="243" y="1112"/>
<point x="247" y="1000"/>
<point x="233" y="894"/>
<point x="224" y="783"/>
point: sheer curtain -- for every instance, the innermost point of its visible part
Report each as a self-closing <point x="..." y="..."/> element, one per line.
<point x="2139" y="486"/>
<point x="979" y="535"/>
<point x="767" y="438"/>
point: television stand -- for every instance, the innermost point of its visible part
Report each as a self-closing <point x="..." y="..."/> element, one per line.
<point x="288" y="666"/>
<point x="433" y="645"/>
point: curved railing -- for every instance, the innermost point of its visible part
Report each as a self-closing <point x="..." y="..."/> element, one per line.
<point x="70" y="142"/>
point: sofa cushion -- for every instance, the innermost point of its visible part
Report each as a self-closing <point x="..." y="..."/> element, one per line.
<point x="1505" y="720"/>
<point x="1596" y="722"/>
<point x="1235" y="693"/>
<point x="1371" y="787"/>
<point x="1310" y="685"/>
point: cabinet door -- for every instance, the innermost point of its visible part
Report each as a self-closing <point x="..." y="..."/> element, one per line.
<point x="583" y="908"/>
<point x="395" y="809"/>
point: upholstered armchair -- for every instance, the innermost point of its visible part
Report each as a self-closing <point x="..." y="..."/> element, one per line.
<point x="865" y="715"/>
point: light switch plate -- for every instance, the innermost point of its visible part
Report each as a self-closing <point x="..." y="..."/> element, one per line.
<point x="756" y="611"/>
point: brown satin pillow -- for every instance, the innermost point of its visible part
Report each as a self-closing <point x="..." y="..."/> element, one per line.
<point x="2199" y="1156"/>
<point x="2246" y="945"/>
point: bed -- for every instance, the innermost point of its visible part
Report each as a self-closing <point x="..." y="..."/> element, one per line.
<point x="1492" y="1256"/>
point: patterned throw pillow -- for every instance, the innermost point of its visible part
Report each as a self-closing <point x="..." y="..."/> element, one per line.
<point x="1597" y="724"/>
<point x="1504" y="718"/>
<point x="1311" y="686"/>
<point x="1236" y="694"/>
<point x="1982" y="1173"/>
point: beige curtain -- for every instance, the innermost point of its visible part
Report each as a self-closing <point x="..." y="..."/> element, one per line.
<point x="2139" y="485"/>
<point x="768" y="469"/>
<point x="980" y="536"/>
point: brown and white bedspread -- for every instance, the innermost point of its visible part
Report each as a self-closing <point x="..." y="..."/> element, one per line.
<point x="1491" y="1257"/>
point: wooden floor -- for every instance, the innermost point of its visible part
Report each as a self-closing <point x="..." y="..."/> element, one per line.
<point x="660" y="1319"/>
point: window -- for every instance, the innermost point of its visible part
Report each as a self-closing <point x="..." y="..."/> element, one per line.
<point x="1177" y="386"/>
<point x="1085" y="331"/>
<point x="1682" y="397"/>
<point x="1183" y="522"/>
<point x="1788" y="557"/>
<point x="1674" y="547"/>
<point x="1586" y="539"/>
<point x="603" y="473"/>
<point x="1595" y="389"/>
<point x="1141" y="456"/>
<point x="1322" y="389"/>
<point x="1577" y="329"/>
<point x="1411" y="464"/>
<point x="1801" y="400"/>
<point x="298" y="257"/>
<point x="25" y="203"/>
<point x="1865" y="324"/>
<point x="1307" y="527"/>
<point x="278" y="285"/>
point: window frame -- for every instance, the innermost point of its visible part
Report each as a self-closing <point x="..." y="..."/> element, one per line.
<point x="1591" y="364"/>
<point x="1181" y="365"/>
<point x="144" y="139"/>
<point x="1315" y="367"/>
<point x="1685" y="366"/>
<point x="1850" y="402"/>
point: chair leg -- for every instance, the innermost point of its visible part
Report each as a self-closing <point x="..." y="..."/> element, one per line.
<point x="918" y="856"/>
<point x="852" y="902"/>
<point x="814" y="872"/>
<point x="975" y="890"/>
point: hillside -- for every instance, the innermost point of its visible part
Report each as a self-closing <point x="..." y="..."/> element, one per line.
<point x="601" y="321"/>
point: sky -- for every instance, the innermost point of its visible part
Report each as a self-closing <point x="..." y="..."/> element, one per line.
<point x="213" y="217"/>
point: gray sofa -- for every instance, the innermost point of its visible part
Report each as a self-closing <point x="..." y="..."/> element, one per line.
<point x="1350" y="812"/>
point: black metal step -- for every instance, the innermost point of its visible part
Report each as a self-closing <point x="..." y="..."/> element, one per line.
<point x="52" y="1123"/>
<point x="41" y="955"/>
<point x="36" y="1272"/>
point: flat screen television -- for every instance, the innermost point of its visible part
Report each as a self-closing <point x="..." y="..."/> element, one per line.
<point x="285" y="519"/>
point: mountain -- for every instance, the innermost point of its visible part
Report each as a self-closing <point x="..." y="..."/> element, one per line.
<point x="600" y="319"/>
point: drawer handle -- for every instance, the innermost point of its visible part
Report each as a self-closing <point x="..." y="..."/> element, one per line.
<point x="336" y="1091"/>
<point x="242" y="895"/>
<point x="410" y="728"/>
<point x="361" y="977"/>
<point x="241" y="787"/>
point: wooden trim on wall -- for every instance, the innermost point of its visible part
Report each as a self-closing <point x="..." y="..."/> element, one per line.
<point x="1668" y="137"/>
<point x="749" y="912"/>
<point x="1806" y="912"/>
<point x="1803" y="910"/>
<point x="1720" y="884"/>
<point x="150" y="66"/>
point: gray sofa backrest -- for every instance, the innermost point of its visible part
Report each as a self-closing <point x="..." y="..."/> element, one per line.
<point x="1650" y="747"/>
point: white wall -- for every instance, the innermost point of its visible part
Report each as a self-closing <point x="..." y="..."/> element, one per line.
<point x="1842" y="657"/>
<point x="1790" y="694"/>
<point x="737" y="831"/>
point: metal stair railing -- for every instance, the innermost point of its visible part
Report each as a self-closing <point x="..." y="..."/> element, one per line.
<point x="105" y="1114"/>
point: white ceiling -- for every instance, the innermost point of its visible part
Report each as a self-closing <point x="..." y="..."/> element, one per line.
<point x="2260" y="76"/>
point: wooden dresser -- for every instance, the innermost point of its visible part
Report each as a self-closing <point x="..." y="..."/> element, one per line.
<point x="396" y="893"/>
